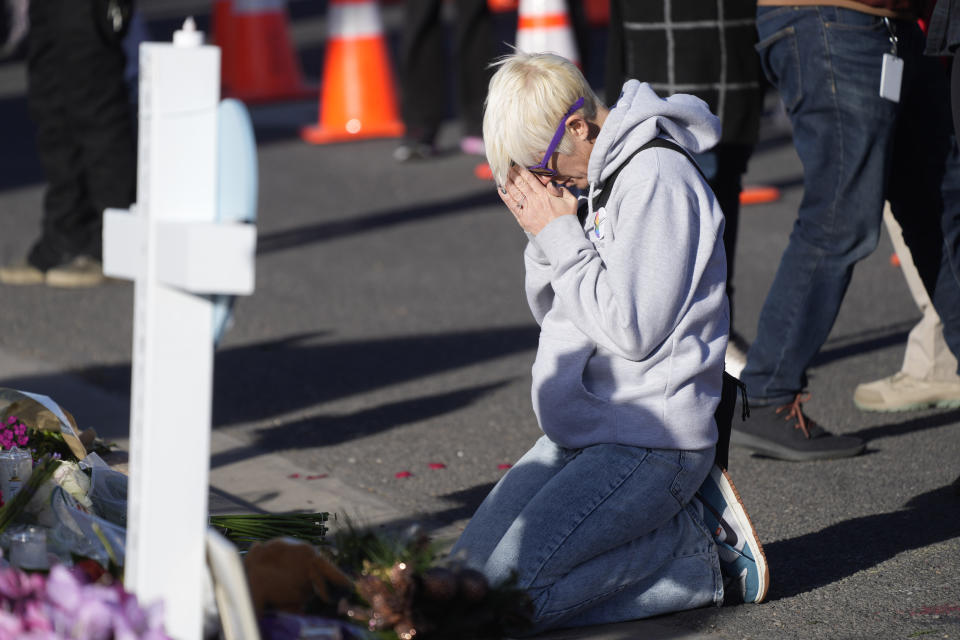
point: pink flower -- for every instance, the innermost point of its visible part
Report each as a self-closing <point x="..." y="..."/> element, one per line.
<point x="10" y="626"/>
<point x="35" y="616"/>
<point x="16" y="585"/>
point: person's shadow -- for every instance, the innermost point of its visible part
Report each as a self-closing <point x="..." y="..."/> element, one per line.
<point x="816" y="559"/>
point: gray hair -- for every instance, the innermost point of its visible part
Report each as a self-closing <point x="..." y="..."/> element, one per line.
<point x="528" y="95"/>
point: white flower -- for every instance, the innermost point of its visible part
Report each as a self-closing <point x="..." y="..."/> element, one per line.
<point x="73" y="480"/>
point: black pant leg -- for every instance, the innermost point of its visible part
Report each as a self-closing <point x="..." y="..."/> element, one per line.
<point x="473" y="39"/>
<point x="727" y="184"/>
<point x="955" y="93"/>
<point x="423" y="93"/>
<point x="66" y="210"/>
<point x="79" y="102"/>
<point x="615" y="73"/>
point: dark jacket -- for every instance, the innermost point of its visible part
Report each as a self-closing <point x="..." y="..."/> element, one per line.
<point x="692" y="50"/>
<point x="943" y="37"/>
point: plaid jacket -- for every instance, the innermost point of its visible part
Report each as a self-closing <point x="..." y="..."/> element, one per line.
<point x="702" y="47"/>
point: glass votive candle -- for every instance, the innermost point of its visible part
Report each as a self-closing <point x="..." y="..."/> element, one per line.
<point x="28" y="549"/>
<point x="16" y="466"/>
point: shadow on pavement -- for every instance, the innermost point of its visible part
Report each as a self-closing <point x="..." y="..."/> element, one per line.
<point x="273" y="378"/>
<point x="327" y="430"/>
<point x="260" y="381"/>
<point x="816" y="559"/>
<point x="464" y="503"/>
<point x="863" y="342"/>
<point x="909" y="426"/>
<point x="324" y="231"/>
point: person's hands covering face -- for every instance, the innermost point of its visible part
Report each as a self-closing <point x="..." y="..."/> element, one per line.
<point x="533" y="203"/>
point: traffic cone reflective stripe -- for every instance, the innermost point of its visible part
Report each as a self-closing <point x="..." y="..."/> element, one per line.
<point x="544" y="26"/>
<point x="358" y="97"/>
<point x="259" y="62"/>
<point x="552" y="21"/>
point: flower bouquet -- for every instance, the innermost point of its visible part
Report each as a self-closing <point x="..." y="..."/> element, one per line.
<point x="68" y="604"/>
<point x="370" y="585"/>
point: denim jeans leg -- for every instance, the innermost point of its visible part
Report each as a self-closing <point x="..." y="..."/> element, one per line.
<point x="825" y="62"/>
<point x="674" y="568"/>
<point x="508" y="498"/>
<point x="613" y="518"/>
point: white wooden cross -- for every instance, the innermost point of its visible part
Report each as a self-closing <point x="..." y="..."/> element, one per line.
<point x="170" y="244"/>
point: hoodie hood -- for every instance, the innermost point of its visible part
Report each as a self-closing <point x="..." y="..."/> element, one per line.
<point x="641" y="115"/>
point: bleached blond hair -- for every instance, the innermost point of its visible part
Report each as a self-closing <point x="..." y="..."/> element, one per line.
<point x="527" y="97"/>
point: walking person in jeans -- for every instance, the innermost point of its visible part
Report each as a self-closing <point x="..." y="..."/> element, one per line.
<point x="618" y="512"/>
<point x="857" y="149"/>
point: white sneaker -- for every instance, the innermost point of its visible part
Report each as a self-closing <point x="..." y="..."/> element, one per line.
<point x="903" y="392"/>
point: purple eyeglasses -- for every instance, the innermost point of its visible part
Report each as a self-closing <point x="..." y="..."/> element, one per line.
<point x="542" y="169"/>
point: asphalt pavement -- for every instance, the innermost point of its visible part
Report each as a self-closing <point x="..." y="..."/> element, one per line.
<point x="389" y="333"/>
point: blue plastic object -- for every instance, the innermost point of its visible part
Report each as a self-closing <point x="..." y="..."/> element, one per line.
<point x="236" y="188"/>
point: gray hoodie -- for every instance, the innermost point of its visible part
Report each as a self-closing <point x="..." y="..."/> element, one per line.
<point x="631" y="305"/>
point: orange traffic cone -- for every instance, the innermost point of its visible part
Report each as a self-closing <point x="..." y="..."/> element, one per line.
<point x="759" y="195"/>
<point x="543" y="25"/>
<point x="220" y="16"/>
<point x="258" y="60"/>
<point x="502" y="6"/>
<point x="358" y="98"/>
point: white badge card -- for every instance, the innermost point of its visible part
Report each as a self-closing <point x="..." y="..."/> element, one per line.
<point x="891" y="75"/>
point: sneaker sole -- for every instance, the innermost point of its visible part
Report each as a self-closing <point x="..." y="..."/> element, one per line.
<point x="913" y="406"/>
<point x="21" y="280"/>
<point x="73" y="280"/>
<point x="773" y="450"/>
<point x="732" y="496"/>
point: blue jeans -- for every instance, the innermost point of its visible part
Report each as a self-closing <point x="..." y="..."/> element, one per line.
<point x="857" y="149"/>
<point x="602" y="534"/>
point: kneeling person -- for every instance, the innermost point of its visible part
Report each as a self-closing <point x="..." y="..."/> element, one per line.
<point x="617" y="512"/>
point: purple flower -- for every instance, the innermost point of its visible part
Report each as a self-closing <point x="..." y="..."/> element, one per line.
<point x="65" y="590"/>
<point x="94" y="621"/>
<point x="66" y="606"/>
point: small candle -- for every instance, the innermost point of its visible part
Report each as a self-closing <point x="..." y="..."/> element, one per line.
<point x="28" y="549"/>
<point x="15" y="469"/>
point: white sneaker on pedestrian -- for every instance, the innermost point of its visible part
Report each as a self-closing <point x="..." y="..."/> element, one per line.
<point x="903" y="392"/>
